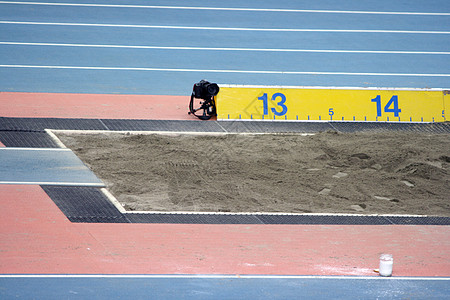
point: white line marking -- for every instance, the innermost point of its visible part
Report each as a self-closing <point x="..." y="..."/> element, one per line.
<point x="34" y="149"/>
<point x="54" y="183"/>
<point x="226" y="49"/>
<point x="233" y="8"/>
<point x="226" y="71"/>
<point x="337" y="277"/>
<point x="177" y="133"/>
<point x="55" y="139"/>
<point x="268" y="213"/>
<point x="329" y="87"/>
<point x="113" y="200"/>
<point x="230" y="28"/>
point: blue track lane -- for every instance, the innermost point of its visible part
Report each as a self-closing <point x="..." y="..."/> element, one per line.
<point x="191" y="287"/>
<point x="224" y="39"/>
<point x="44" y="166"/>
<point x="220" y="65"/>
<point x="217" y="18"/>
<point x="221" y="60"/>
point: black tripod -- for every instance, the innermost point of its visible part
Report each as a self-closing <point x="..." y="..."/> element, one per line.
<point x="206" y="91"/>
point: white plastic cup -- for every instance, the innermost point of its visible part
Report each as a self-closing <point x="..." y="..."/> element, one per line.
<point x="386" y="264"/>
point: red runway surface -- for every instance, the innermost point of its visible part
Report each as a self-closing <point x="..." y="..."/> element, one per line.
<point x="36" y="237"/>
<point x="47" y="105"/>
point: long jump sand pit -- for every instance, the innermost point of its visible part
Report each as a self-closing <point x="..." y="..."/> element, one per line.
<point x="329" y="172"/>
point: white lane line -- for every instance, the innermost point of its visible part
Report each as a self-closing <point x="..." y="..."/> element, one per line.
<point x="334" y="277"/>
<point x="265" y="214"/>
<point x="55" y="139"/>
<point x="229" y="28"/>
<point x="233" y="8"/>
<point x="34" y="149"/>
<point x="225" y="71"/>
<point x="226" y="49"/>
<point x="113" y="200"/>
<point x="90" y="184"/>
<point x="374" y="88"/>
<point x="177" y="133"/>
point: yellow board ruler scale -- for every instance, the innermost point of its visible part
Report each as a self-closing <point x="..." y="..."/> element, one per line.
<point x="331" y="104"/>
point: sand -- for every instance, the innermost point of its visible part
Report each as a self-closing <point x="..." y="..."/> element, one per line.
<point x="329" y="172"/>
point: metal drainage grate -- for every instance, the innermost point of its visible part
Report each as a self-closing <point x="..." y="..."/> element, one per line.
<point x="27" y="139"/>
<point x="84" y="204"/>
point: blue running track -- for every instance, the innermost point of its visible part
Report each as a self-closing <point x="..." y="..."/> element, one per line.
<point x="221" y="287"/>
<point x="140" y="49"/>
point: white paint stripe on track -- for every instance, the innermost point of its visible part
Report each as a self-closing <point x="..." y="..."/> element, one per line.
<point x="229" y="28"/>
<point x="337" y="277"/>
<point x="224" y="49"/>
<point x="113" y="200"/>
<point x="265" y="214"/>
<point x="55" y="139"/>
<point x="34" y="149"/>
<point x="232" y="8"/>
<point x="177" y="133"/>
<point x="225" y="71"/>
<point x="374" y="88"/>
<point x="90" y="184"/>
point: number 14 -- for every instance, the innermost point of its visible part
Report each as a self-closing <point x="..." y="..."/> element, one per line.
<point x="391" y="106"/>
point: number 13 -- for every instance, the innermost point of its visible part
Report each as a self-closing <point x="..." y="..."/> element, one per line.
<point x="279" y="103"/>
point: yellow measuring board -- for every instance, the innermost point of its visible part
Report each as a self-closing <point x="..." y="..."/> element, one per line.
<point x="331" y="104"/>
